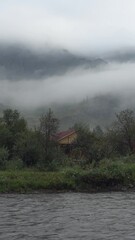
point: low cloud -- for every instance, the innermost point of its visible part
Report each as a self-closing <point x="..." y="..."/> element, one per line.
<point x="79" y="26"/>
<point x="65" y="57"/>
<point x="73" y="86"/>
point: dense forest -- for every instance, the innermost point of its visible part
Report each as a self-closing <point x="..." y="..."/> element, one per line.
<point x="21" y="146"/>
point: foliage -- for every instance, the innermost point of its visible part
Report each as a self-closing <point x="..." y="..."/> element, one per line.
<point x="33" y="147"/>
<point x="123" y="130"/>
<point x="99" y="159"/>
<point x="12" y="120"/>
<point x="6" y="137"/>
<point x="115" y="174"/>
<point x="28" y="148"/>
<point x="109" y="175"/>
<point x="3" y="157"/>
<point x="24" y="147"/>
<point x="84" y="142"/>
<point x="89" y="144"/>
<point x="11" y="125"/>
<point x="14" y="164"/>
<point x="32" y="180"/>
<point x="48" y="127"/>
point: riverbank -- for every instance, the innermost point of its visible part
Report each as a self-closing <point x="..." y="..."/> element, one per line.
<point x="111" y="176"/>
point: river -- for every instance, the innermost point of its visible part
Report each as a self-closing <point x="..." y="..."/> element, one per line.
<point x="65" y="216"/>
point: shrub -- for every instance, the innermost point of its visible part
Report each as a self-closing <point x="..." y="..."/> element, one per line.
<point x="3" y="157"/>
<point x="15" y="164"/>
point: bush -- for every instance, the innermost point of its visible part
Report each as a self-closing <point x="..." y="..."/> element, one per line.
<point x="3" y="157"/>
<point x="28" y="148"/>
<point x="15" y="164"/>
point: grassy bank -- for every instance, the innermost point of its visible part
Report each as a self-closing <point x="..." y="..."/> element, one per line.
<point x="117" y="174"/>
<point x="30" y="181"/>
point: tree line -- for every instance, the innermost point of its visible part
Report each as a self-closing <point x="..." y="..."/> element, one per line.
<point x="20" y="144"/>
<point x="27" y="147"/>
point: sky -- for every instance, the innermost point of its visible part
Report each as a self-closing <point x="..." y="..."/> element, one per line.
<point x="77" y="25"/>
<point x="83" y="28"/>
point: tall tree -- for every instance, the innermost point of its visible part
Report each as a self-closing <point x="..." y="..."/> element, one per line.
<point x="11" y="126"/>
<point x="124" y="128"/>
<point x="85" y="142"/>
<point x="13" y="121"/>
<point x="48" y="127"/>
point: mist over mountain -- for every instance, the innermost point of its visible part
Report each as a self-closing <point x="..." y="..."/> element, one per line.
<point x="31" y="78"/>
<point x="99" y="110"/>
<point x="63" y="52"/>
<point x="20" y="62"/>
<point x="122" y="55"/>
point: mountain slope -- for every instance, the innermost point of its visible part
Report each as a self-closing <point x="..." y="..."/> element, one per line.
<point x="19" y="62"/>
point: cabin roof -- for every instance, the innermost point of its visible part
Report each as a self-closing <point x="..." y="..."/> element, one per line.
<point x="59" y="136"/>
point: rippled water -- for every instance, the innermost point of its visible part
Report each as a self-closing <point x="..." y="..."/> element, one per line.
<point x="68" y="216"/>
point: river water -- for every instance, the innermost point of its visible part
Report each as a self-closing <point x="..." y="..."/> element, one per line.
<point x="67" y="216"/>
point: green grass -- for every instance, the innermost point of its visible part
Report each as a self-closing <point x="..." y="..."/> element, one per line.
<point x="109" y="175"/>
<point x="29" y="181"/>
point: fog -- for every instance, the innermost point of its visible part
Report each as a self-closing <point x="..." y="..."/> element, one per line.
<point x="72" y="86"/>
<point x="79" y="26"/>
<point x="64" y="51"/>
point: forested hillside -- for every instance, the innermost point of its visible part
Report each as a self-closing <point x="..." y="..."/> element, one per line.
<point x="99" y="110"/>
<point x="18" y="62"/>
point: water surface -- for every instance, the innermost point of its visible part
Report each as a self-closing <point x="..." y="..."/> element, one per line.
<point x="68" y="216"/>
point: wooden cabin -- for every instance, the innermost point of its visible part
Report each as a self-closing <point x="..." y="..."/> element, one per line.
<point x="66" y="140"/>
<point x="66" y="137"/>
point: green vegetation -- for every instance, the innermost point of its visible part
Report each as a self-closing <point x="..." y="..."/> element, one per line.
<point x="31" y="160"/>
<point x="32" y="180"/>
<point x="115" y="175"/>
<point x="109" y="175"/>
